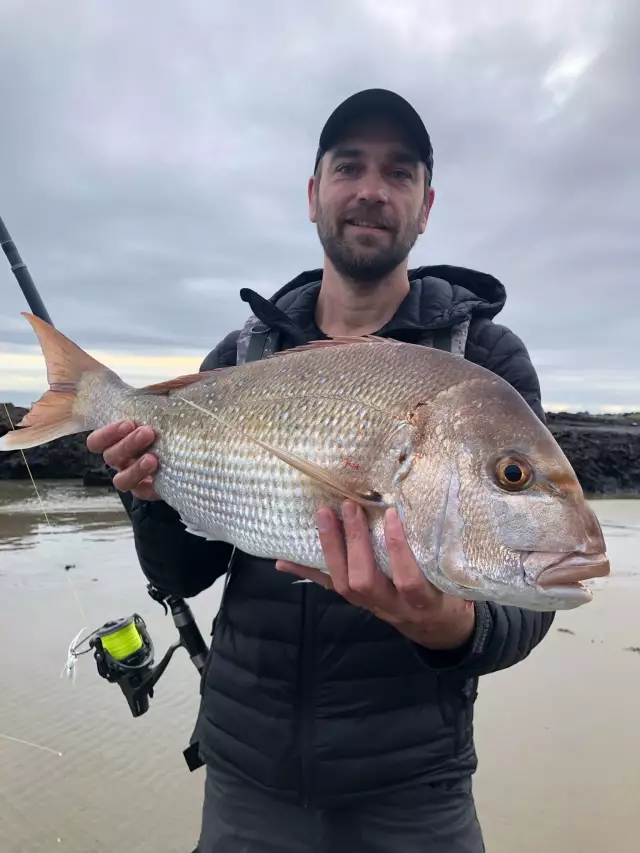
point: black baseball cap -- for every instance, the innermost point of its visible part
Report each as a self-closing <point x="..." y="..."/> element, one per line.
<point x="381" y="101"/>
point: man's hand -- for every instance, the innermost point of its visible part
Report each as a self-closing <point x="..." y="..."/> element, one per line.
<point x="122" y="446"/>
<point x="410" y="603"/>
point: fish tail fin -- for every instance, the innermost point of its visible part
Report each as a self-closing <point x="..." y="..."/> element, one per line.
<point x="54" y="414"/>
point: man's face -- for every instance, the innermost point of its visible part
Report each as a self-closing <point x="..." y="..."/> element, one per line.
<point x="370" y="201"/>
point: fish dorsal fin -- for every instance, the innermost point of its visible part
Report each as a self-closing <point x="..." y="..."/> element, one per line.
<point x="337" y="341"/>
<point x="181" y="381"/>
<point x="178" y="382"/>
<point x="365" y="497"/>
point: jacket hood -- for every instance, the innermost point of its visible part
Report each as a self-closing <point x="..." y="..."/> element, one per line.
<point x="440" y="296"/>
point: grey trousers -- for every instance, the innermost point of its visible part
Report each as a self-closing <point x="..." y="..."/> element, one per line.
<point x="238" y="818"/>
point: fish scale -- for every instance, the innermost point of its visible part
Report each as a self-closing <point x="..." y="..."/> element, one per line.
<point x="248" y="454"/>
<point x="236" y="491"/>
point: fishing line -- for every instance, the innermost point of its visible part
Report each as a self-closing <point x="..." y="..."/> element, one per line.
<point x="69" y="667"/>
<point x="28" y="743"/>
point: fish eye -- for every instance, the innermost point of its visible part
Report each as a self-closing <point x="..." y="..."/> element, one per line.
<point x="514" y="474"/>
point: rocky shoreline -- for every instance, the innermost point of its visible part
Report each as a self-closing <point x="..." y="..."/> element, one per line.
<point x="603" y="449"/>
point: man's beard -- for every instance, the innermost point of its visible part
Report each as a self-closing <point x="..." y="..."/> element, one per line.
<point x="364" y="265"/>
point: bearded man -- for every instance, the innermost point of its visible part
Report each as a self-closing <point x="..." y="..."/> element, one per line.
<point x="337" y="716"/>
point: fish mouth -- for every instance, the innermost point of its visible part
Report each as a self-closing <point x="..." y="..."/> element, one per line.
<point x="569" y="571"/>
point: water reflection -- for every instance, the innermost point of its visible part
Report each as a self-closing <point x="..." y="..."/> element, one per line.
<point x="76" y="571"/>
<point x="113" y="764"/>
<point x="57" y="508"/>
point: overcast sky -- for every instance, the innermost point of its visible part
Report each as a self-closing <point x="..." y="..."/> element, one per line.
<point x="154" y="158"/>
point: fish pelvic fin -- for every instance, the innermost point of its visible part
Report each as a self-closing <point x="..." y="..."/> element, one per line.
<point x="367" y="498"/>
<point x="53" y="415"/>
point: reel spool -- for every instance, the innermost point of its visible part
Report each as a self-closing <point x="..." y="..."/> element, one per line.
<point x="124" y="655"/>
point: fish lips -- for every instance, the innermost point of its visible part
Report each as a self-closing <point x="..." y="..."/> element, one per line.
<point x="554" y="572"/>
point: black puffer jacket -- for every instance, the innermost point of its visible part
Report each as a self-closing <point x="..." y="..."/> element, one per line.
<point x="312" y="698"/>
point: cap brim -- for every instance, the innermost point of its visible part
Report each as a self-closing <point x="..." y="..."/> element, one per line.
<point x="375" y="101"/>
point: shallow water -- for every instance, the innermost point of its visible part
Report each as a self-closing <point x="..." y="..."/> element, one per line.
<point x="122" y="782"/>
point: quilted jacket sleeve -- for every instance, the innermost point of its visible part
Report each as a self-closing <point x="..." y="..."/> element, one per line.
<point x="500" y="350"/>
<point x="504" y="635"/>
<point x="172" y="559"/>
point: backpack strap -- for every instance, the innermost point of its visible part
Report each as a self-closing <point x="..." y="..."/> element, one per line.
<point x="459" y="335"/>
<point x="453" y="339"/>
<point x="255" y="341"/>
<point x="441" y="339"/>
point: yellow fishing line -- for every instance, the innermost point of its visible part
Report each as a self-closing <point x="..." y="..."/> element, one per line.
<point x="123" y="641"/>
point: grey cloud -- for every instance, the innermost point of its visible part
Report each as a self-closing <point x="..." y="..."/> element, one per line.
<point x="154" y="160"/>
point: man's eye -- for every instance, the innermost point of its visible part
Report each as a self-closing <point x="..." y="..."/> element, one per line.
<point x="402" y="174"/>
<point x="346" y="167"/>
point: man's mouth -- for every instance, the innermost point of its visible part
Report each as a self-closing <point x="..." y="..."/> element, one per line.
<point x="367" y="224"/>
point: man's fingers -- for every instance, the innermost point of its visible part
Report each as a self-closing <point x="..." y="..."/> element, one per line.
<point x="364" y="578"/>
<point x="100" y="439"/>
<point x="407" y="576"/>
<point x="332" y="542"/>
<point x="120" y="442"/>
<point x="121" y="445"/>
<point x="130" y="447"/>
<point x="131" y="477"/>
<point x="145" y="491"/>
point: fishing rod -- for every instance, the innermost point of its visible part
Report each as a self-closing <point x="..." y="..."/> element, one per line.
<point x="123" y="650"/>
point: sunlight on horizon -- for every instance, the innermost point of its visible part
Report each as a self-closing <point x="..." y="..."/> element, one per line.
<point x="24" y="375"/>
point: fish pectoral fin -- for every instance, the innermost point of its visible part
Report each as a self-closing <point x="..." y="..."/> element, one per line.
<point x="359" y="494"/>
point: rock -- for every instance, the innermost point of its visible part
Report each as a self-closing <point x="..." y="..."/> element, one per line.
<point x="97" y="477"/>
<point x="64" y="458"/>
<point x="603" y="449"/>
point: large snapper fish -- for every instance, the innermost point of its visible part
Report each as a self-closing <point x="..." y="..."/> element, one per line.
<point x="491" y="506"/>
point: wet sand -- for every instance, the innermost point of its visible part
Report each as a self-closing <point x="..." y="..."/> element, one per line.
<point x="558" y="736"/>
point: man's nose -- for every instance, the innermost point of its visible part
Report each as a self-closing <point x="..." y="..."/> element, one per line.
<point x="371" y="190"/>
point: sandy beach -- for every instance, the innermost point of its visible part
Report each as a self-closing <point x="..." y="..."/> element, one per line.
<point x="557" y="735"/>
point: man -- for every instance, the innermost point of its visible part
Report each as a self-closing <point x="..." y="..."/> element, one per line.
<point x="337" y="716"/>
